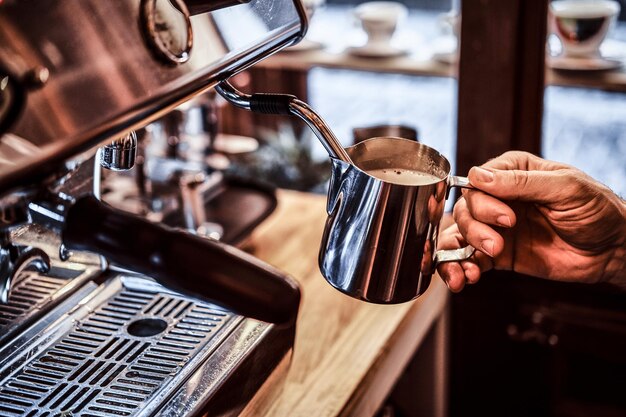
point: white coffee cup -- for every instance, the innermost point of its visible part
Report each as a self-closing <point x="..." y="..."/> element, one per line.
<point x="450" y="22"/>
<point x="379" y="19"/>
<point x="582" y="25"/>
<point x="310" y="6"/>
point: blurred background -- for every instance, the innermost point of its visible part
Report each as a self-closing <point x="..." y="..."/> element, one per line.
<point x="518" y="346"/>
<point x="582" y="119"/>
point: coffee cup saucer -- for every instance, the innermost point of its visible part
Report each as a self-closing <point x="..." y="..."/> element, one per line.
<point x="592" y="63"/>
<point x="445" y="50"/>
<point x="448" y="58"/>
<point x="376" y="50"/>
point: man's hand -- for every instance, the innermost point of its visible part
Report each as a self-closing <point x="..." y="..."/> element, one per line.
<point x="539" y="218"/>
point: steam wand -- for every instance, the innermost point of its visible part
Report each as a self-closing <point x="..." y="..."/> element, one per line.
<point x="286" y="104"/>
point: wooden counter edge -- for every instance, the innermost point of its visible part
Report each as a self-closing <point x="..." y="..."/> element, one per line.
<point x="390" y="362"/>
<point x="409" y="335"/>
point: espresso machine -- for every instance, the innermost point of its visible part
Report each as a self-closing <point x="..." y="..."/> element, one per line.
<point x="104" y="312"/>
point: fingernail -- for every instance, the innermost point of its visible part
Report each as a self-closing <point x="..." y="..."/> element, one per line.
<point x="504" y="220"/>
<point x="483" y="175"/>
<point x="487" y="247"/>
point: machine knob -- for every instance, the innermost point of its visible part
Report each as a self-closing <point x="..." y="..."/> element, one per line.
<point x="120" y="154"/>
<point x="166" y="28"/>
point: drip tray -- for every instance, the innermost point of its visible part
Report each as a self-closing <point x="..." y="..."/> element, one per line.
<point x="30" y="293"/>
<point x="133" y="348"/>
<point x="34" y="294"/>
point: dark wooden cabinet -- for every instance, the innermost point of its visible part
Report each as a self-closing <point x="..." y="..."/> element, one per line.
<point x="521" y="346"/>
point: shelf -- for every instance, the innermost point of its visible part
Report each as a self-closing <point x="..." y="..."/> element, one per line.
<point x="404" y="65"/>
<point x="614" y="80"/>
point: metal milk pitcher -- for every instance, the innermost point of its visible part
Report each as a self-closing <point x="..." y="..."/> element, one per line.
<point x="380" y="237"/>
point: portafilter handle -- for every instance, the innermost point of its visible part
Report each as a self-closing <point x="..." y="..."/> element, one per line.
<point x="183" y="262"/>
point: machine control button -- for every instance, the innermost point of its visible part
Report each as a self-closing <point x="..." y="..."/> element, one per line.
<point x="166" y="27"/>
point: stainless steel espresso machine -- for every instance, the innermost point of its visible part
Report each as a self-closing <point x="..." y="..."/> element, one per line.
<point x="105" y="313"/>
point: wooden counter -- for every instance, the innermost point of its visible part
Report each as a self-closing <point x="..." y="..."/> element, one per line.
<point x="348" y="354"/>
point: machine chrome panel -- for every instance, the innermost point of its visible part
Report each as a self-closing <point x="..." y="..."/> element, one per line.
<point x="103" y="79"/>
<point x="121" y="351"/>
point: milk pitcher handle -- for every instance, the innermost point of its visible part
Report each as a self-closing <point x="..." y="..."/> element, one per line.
<point x="461" y="254"/>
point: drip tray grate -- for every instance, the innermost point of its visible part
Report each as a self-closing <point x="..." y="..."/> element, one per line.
<point x="129" y="344"/>
<point x="30" y="291"/>
<point x="33" y="293"/>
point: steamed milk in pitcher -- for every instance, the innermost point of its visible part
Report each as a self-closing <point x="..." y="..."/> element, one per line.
<point x="403" y="176"/>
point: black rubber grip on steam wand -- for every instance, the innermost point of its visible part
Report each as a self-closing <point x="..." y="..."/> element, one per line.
<point x="271" y="103"/>
<point x="183" y="262"/>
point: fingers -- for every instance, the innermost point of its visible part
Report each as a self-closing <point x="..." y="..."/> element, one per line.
<point x="457" y="274"/>
<point x="532" y="186"/>
<point x="479" y="235"/>
<point x="453" y="275"/>
<point x="517" y="175"/>
<point x="472" y="272"/>
<point x="523" y="161"/>
<point x="488" y="209"/>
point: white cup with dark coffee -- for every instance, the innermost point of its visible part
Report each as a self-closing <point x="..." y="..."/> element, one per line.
<point x="582" y="25"/>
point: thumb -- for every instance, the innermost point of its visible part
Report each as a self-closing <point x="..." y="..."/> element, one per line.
<point x="515" y="184"/>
